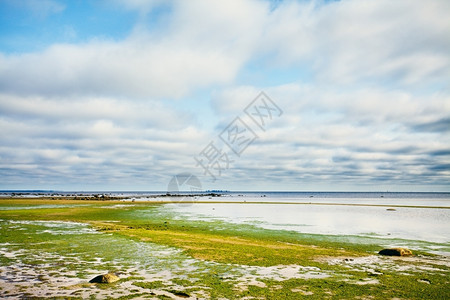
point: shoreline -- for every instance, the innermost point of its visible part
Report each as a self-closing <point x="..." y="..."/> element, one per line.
<point x="200" y="201"/>
<point x="147" y="245"/>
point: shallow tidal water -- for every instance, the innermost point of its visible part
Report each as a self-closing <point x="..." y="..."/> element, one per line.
<point x="423" y="227"/>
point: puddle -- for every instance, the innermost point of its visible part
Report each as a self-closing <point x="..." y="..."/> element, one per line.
<point x="118" y="206"/>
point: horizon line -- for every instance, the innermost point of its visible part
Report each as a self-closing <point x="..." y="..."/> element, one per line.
<point x="205" y="191"/>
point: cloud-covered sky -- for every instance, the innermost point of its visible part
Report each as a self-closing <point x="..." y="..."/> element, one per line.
<point x="124" y="94"/>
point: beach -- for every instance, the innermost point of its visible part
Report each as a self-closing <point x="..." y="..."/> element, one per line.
<point x="232" y="246"/>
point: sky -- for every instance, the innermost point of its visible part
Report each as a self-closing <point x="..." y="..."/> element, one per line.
<point x="122" y="95"/>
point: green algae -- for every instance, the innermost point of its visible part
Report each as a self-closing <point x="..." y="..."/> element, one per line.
<point x="218" y="253"/>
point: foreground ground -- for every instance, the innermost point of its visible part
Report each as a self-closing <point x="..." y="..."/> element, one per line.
<point x="51" y="248"/>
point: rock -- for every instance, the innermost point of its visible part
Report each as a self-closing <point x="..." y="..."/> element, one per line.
<point x="424" y="281"/>
<point x="180" y="294"/>
<point x="396" y="252"/>
<point x="107" y="278"/>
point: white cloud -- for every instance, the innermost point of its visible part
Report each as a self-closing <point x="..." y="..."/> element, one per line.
<point x="322" y="103"/>
<point x="99" y="141"/>
<point x="186" y="55"/>
<point x="366" y="135"/>
<point x="372" y="110"/>
<point x="135" y="68"/>
<point x="404" y="42"/>
<point x="205" y="43"/>
<point x="74" y="109"/>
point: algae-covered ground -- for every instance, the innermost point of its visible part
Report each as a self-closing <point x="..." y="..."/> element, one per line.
<point x="52" y="248"/>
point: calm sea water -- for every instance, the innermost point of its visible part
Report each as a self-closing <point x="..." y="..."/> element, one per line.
<point x="272" y="195"/>
<point x="369" y="198"/>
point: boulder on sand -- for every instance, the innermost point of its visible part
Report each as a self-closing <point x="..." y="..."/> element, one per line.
<point x="396" y="252"/>
<point x="107" y="278"/>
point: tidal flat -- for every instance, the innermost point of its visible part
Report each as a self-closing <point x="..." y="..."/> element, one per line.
<point x="52" y="248"/>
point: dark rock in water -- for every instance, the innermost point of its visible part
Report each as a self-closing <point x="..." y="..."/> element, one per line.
<point x="107" y="278"/>
<point x="391" y="209"/>
<point x="396" y="252"/>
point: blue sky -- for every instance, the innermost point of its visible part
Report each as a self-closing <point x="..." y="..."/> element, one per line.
<point x="123" y="95"/>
